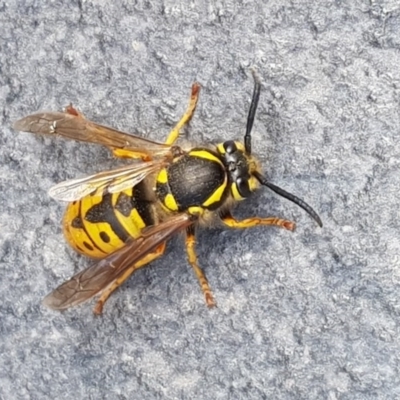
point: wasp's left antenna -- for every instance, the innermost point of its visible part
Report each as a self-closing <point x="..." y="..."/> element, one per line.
<point x="301" y="203"/>
<point x="252" y="112"/>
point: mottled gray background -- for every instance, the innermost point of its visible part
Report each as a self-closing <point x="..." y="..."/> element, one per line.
<point x="312" y="314"/>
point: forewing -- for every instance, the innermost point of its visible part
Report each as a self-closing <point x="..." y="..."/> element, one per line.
<point x="76" y="127"/>
<point x="94" y="279"/>
<point x="111" y="181"/>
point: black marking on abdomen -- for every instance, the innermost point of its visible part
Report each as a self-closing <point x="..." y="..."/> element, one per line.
<point x="104" y="237"/>
<point x="162" y="191"/>
<point x="88" y="246"/>
<point x="104" y="212"/>
<point x="143" y="204"/>
<point x="77" y="222"/>
<point x="126" y="204"/>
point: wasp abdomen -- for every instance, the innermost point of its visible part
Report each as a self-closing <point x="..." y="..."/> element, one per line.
<point x="100" y="224"/>
<point x="197" y="178"/>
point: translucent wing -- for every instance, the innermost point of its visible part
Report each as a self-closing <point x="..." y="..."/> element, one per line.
<point x="94" y="279"/>
<point x="111" y="181"/>
<point x="73" y="125"/>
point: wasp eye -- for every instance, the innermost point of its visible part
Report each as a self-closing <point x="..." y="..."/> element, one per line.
<point x="230" y="146"/>
<point x="243" y="187"/>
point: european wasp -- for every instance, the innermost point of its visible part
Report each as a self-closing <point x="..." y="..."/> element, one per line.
<point x="125" y="216"/>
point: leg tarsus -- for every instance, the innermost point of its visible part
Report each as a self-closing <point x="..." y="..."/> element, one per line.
<point x="174" y="134"/>
<point x="123" y="153"/>
<point x="230" y="221"/>
<point x="192" y="257"/>
<point x="106" y="293"/>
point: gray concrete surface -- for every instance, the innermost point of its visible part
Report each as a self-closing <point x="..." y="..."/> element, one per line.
<point x="312" y="314"/>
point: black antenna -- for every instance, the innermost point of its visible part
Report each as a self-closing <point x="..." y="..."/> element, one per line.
<point x="252" y="112"/>
<point x="290" y="197"/>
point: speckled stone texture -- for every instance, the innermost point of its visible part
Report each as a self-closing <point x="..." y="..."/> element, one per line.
<point x="312" y="314"/>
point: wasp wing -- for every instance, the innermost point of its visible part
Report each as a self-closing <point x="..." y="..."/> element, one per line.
<point x="75" y="126"/>
<point x="97" y="277"/>
<point x="111" y="181"/>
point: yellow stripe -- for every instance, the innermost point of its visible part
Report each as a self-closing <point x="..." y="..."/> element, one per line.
<point x="77" y="236"/>
<point x="235" y="192"/>
<point x="195" y="210"/>
<point x="217" y="195"/>
<point x="221" y="148"/>
<point x="206" y="154"/>
<point x="94" y="228"/>
<point x="162" y="176"/>
<point x="71" y="212"/>
<point x="170" y="202"/>
<point x="253" y="183"/>
<point x="240" y="146"/>
<point x="133" y="223"/>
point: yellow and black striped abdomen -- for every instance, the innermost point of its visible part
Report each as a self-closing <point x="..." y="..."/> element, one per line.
<point x="98" y="225"/>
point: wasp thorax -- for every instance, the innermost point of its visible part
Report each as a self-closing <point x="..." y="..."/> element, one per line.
<point x="237" y="165"/>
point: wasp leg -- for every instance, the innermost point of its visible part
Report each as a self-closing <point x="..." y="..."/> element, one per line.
<point x="70" y="109"/>
<point x="192" y="257"/>
<point x="122" y="153"/>
<point x="230" y="221"/>
<point x="174" y="134"/>
<point x="106" y="293"/>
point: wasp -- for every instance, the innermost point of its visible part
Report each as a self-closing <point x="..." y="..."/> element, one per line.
<point x="124" y="217"/>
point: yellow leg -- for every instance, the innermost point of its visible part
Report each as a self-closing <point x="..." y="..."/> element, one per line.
<point x="123" y="153"/>
<point x="174" y="134"/>
<point x="106" y="293"/>
<point x="192" y="257"/>
<point x="228" y="219"/>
